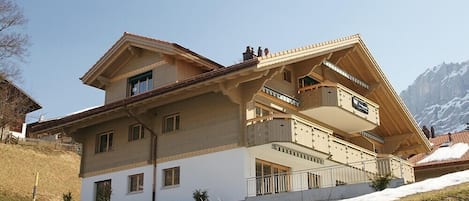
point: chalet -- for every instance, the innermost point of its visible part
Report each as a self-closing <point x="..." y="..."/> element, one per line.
<point x="14" y="105"/>
<point x="449" y="154"/>
<point x="174" y="122"/>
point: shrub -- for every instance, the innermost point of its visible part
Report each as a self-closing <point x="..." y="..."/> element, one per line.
<point x="67" y="197"/>
<point x="380" y="182"/>
<point x="200" y="195"/>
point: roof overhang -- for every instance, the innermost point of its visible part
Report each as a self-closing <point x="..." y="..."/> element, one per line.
<point x="130" y="44"/>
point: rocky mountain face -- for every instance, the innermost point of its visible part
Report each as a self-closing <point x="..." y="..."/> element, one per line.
<point x="440" y="97"/>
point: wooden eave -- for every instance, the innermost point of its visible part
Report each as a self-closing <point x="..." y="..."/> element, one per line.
<point x="351" y="54"/>
<point x="129" y="42"/>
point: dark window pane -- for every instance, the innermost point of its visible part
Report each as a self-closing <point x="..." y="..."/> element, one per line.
<point x="177" y="123"/>
<point x="176" y="175"/>
<point x="110" y="142"/>
<point x="168" y="177"/>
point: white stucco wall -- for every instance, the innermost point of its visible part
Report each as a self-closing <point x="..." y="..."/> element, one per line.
<point x="223" y="174"/>
<point x="119" y="182"/>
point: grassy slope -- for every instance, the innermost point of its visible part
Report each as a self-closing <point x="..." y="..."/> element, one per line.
<point x="456" y="192"/>
<point x="58" y="173"/>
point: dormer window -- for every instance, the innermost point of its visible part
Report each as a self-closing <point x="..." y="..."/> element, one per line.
<point x="140" y="83"/>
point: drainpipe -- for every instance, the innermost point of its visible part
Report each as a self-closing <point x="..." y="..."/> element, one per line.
<point x="153" y="149"/>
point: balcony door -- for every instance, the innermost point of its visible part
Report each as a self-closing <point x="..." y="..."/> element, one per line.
<point x="271" y="178"/>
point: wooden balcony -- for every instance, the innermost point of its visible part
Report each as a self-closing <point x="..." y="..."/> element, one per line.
<point x="338" y="106"/>
<point x="290" y="128"/>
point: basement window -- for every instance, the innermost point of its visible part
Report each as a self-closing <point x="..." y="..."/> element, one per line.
<point x="171" y="176"/>
<point x="136" y="183"/>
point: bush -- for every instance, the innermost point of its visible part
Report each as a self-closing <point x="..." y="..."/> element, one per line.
<point x="200" y="195"/>
<point x="380" y="182"/>
<point x="67" y="197"/>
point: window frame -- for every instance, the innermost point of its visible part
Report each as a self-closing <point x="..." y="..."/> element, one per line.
<point x="287" y="75"/>
<point x="133" y="81"/>
<point x="131" y="134"/>
<point x="139" y="183"/>
<point x="97" y="185"/>
<point x="109" y="142"/>
<point x="176" y="123"/>
<point x="175" y="177"/>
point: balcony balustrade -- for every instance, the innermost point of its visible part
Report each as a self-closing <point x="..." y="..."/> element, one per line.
<point x="334" y="104"/>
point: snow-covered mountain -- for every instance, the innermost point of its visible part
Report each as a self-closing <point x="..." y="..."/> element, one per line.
<point x="440" y="97"/>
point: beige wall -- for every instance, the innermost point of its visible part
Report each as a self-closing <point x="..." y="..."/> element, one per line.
<point x="277" y="83"/>
<point x="123" y="152"/>
<point x="206" y="121"/>
<point x="164" y="73"/>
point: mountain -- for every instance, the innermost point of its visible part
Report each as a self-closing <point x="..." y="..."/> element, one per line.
<point x="440" y="97"/>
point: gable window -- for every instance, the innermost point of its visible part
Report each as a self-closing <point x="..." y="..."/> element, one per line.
<point x="171" y="123"/>
<point x="103" y="190"/>
<point x="140" y="83"/>
<point x="104" y="142"/>
<point x="307" y="81"/>
<point x="136" y="183"/>
<point x="287" y="75"/>
<point x="171" y="176"/>
<point x="136" y="132"/>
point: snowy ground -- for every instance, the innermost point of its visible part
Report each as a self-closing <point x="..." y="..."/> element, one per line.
<point x="418" y="187"/>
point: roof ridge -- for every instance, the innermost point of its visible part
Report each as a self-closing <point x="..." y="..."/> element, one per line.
<point x="312" y="46"/>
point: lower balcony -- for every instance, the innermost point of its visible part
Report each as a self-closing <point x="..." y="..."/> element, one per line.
<point x="329" y="176"/>
<point x="336" y="105"/>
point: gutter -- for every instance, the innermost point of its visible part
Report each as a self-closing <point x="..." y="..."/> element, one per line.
<point x="153" y="147"/>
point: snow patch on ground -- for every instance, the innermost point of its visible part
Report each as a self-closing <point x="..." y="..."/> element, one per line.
<point x="418" y="187"/>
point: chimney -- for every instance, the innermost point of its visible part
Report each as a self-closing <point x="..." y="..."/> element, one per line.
<point x="450" y="139"/>
<point x="432" y="132"/>
<point x="467" y="126"/>
<point x="426" y="131"/>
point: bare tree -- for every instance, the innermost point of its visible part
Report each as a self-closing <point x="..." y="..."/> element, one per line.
<point x="13" y="43"/>
<point x="14" y="103"/>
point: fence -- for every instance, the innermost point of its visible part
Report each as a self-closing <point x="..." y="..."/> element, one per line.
<point x="52" y="144"/>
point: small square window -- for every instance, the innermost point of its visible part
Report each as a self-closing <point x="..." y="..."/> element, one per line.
<point x="140" y="83"/>
<point x="136" y="183"/>
<point x="171" y="123"/>
<point x="104" y="142"/>
<point x="287" y="75"/>
<point x="171" y="176"/>
<point x="136" y="132"/>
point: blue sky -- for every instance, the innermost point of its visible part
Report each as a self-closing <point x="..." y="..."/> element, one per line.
<point x="68" y="37"/>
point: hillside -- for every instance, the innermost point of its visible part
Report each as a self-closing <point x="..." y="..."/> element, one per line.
<point x="58" y="173"/>
<point x="440" y="97"/>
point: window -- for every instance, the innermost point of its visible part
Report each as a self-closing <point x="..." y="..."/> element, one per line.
<point x="136" y="183"/>
<point x="104" y="142"/>
<point x="140" y="83"/>
<point x="307" y="81"/>
<point x="136" y="132"/>
<point x="171" y="176"/>
<point x="287" y="75"/>
<point x="271" y="178"/>
<point x="171" y="123"/>
<point x="103" y="190"/>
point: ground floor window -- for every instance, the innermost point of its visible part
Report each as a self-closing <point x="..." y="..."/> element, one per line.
<point x="103" y="190"/>
<point x="271" y="178"/>
<point x="171" y="176"/>
<point x="136" y="183"/>
<point x="314" y="180"/>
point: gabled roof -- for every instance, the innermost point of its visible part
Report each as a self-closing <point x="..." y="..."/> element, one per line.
<point x="349" y="52"/>
<point x="443" y="142"/>
<point x="33" y="105"/>
<point x="129" y="43"/>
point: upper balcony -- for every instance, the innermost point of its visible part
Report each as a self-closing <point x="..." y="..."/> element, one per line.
<point x="290" y="128"/>
<point x="338" y="106"/>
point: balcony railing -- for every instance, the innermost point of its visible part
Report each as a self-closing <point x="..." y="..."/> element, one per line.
<point x="353" y="173"/>
<point x="290" y="128"/>
<point x="336" y="105"/>
<point x="281" y="96"/>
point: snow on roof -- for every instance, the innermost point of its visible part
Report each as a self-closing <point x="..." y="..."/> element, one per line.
<point x="454" y="151"/>
<point x="82" y="110"/>
<point x="418" y="187"/>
